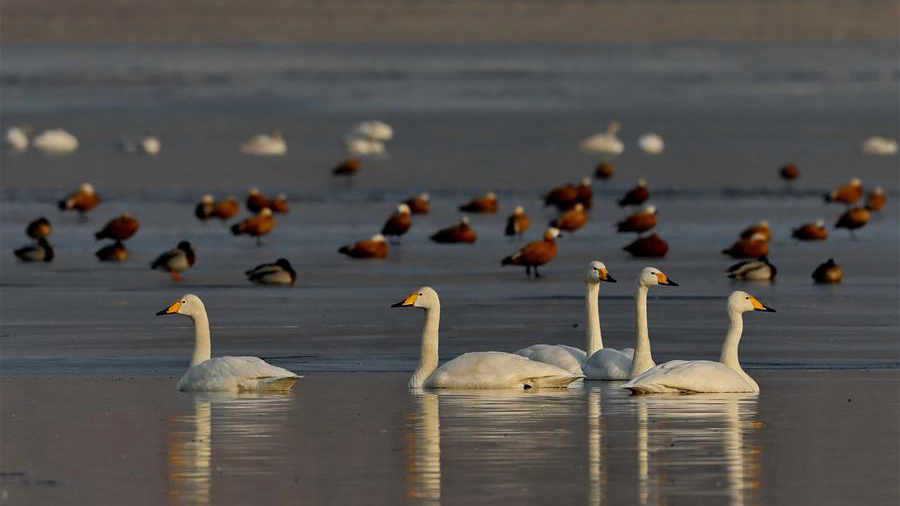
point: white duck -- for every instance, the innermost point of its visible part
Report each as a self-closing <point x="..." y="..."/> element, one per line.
<point x="705" y="376"/>
<point x="571" y="358"/>
<point x="478" y="370"/>
<point x="606" y="143"/>
<point x="56" y="141"/>
<point x="223" y="374"/>
<point x="266" y="144"/>
<point x="651" y="143"/>
<point x="610" y="364"/>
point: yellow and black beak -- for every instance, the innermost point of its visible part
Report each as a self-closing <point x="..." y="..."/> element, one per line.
<point x="759" y="306"/>
<point x="605" y="276"/>
<point x="173" y="309"/>
<point x="407" y="302"/>
<point x="664" y="280"/>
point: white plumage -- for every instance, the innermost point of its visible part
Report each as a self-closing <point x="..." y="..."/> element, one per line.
<point x="265" y="144"/>
<point x="651" y="143"/>
<point x="17" y="138"/>
<point x="606" y="143"/>
<point x="56" y="141"/>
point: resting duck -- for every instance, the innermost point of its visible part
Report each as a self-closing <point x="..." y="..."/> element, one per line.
<point x="535" y="254"/>
<point x="461" y="232"/>
<point x="571" y="220"/>
<point x="82" y="200"/>
<point x="376" y="247"/>
<point x="348" y="167"/>
<point x="753" y="270"/>
<point x="753" y="247"/>
<point x="639" y="222"/>
<point x="280" y="204"/>
<point x="484" y="204"/>
<point x="175" y="261"/>
<point x="256" y="201"/>
<point x="585" y="194"/>
<point x="604" y="170"/>
<point x="846" y="194"/>
<point x="39" y="228"/>
<point x="563" y="197"/>
<point x="41" y="251"/>
<point x="517" y="223"/>
<point x="115" y="252"/>
<point x="637" y="195"/>
<point x="205" y="209"/>
<point x="762" y="228"/>
<point x="420" y="204"/>
<point x="651" y="246"/>
<point x="828" y="272"/>
<point x="265" y="144"/>
<point x="119" y="229"/>
<point x="876" y="200"/>
<point x="278" y="273"/>
<point x="256" y="226"/>
<point x="226" y="209"/>
<point x="789" y="172"/>
<point x="811" y="231"/>
<point x="398" y="223"/>
<point x="854" y="218"/>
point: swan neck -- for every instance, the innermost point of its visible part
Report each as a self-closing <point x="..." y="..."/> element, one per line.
<point x="428" y="360"/>
<point x="729" y="355"/>
<point x="202" y="346"/>
<point x="592" y="314"/>
<point x="643" y="360"/>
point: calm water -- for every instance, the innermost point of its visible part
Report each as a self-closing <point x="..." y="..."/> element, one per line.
<point x="90" y="414"/>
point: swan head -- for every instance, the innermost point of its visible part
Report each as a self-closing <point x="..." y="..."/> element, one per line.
<point x="403" y="209"/>
<point x="597" y="272"/>
<point x="187" y="305"/>
<point x="743" y="302"/>
<point x="651" y="276"/>
<point x="425" y="298"/>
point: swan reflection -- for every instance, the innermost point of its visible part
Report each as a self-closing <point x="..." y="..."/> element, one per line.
<point x="423" y="450"/>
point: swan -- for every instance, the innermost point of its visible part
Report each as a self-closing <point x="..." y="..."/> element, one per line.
<point x="223" y="374"/>
<point x="610" y="364"/>
<point x="56" y="141"/>
<point x="606" y="143"/>
<point x="705" y="376"/>
<point x="879" y="146"/>
<point x="265" y="144"/>
<point x="362" y="146"/>
<point x="373" y="130"/>
<point x="571" y="358"/>
<point x="17" y="138"/>
<point x="651" y="143"/>
<point x="478" y="370"/>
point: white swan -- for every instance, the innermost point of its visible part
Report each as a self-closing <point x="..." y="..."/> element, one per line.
<point x="373" y="130"/>
<point x="479" y="370"/>
<point x="150" y="145"/>
<point x="571" y="358"/>
<point x="223" y="374"/>
<point x="879" y="146"/>
<point x="651" y="143"/>
<point x="696" y="376"/>
<point x="56" y="141"/>
<point x="17" y="138"/>
<point x="363" y="146"/>
<point x="610" y="364"/>
<point x="606" y="143"/>
<point x="265" y="144"/>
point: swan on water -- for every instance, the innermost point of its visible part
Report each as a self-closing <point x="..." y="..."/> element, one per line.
<point x="606" y="143"/>
<point x="56" y="142"/>
<point x="266" y="144"/>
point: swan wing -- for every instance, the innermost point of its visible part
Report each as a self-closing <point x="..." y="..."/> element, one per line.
<point x="560" y="355"/>
<point x="236" y="374"/>
<point x="692" y="376"/>
<point x="494" y="369"/>
<point x="609" y="364"/>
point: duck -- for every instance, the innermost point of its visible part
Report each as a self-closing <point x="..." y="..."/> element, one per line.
<point x="475" y="370"/>
<point x="762" y="228"/>
<point x="828" y="272"/>
<point x="119" y="229"/>
<point x="854" y="218"/>
<point x="571" y="358"/>
<point x="878" y="145"/>
<point x="115" y="252"/>
<point x="571" y="220"/>
<point x="83" y="200"/>
<point x="846" y="194"/>
<point x="484" y="204"/>
<point x="584" y="193"/>
<point x="876" y="200"/>
<point x="563" y="197"/>
<point x="265" y="144"/>
<point x="256" y="201"/>
<point x="789" y="172"/>
<point x="17" y="138"/>
<point x="754" y="246"/>
<point x="639" y="222"/>
<point x="637" y="195"/>
<point x="811" y="231"/>
<point x="347" y="167"/>
<point x="615" y="365"/>
<point x="420" y="204"/>
<point x="280" y="204"/>
<point x="651" y="143"/>
<point x="206" y="208"/>
<point x="517" y="222"/>
<point x="39" y="228"/>
<point x="604" y="170"/>
<point x="175" y="261"/>
<point x="55" y="142"/>
<point x="535" y="254"/>
<point x="760" y="269"/>
<point x="223" y="374"/>
<point x="706" y="376"/>
<point x="651" y="246"/>
<point x="461" y="232"/>
<point x="278" y="273"/>
<point x="606" y="143"/>
<point x="398" y="223"/>
<point x="256" y="226"/>
<point x="226" y="209"/>
<point x="40" y="251"/>
<point x="375" y="247"/>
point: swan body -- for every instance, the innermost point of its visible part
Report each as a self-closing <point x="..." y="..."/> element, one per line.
<point x="651" y="143"/>
<point x="361" y="146"/>
<point x="879" y="146"/>
<point x="705" y="376"/>
<point x="223" y="374"/>
<point x="478" y="370"/>
<point x="373" y="130"/>
<point x="56" y="141"/>
<point x="265" y="144"/>
<point x="150" y="145"/>
<point x="565" y="357"/>
<point x="606" y="143"/>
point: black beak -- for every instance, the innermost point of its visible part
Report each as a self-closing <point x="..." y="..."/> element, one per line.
<point x="669" y="282"/>
<point x="162" y="313"/>
<point x="610" y="279"/>
<point x="766" y="309"/>
<point x="399" y="304"/>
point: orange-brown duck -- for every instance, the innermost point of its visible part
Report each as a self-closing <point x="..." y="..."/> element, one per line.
<point x="754" y="246"/>
<point x="39" y="228"/>
<point x="637" y="195"/>
<point x="376" y="247"/>
<point x="651" y="246"/>
<point x="398" y="223"/>
<point x="828" y="272"/>
<point x="846" y="194"/>
<point x="484" y="204"/>
<point x="811" y="231"/>
<point x="571" y="220"/>
<point x="535" y="254"/>
<point x="639" y="222"/>
<point x="420" y="204"/>
<point x="119" y="229"/>
<point x="461" y="232"/>
<point x="517" y="223"/>
<point x="256" y="226"/>
<point x="82" y="200"/>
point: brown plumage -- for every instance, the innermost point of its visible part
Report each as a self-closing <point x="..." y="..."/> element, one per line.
<point x="652" y="246"/>
<point x="376" y="247"/>
<point x="563" y="197"/>
<point x="753" y="247"/>
<point x="762" y="228"/>
<point x="585" y="194"/>
<point x="828" y="272"/>
<point x="846" y="194"/>
<point x="115" y="252"/>
<point x="205" y="209"/>
<point x="280" y="204"/>
<point x="789" y="172"/>
<point x="256" y="201"/>
<point x="119" y="229"/>
<point x="876" y="200"/>
<point x="420" y="204"/>
<point x="536" y="253"/>
<point x="256" y="226"/>
<point x="811" y="232"/>
<point x="637" y="195"/>
<point x="39" y="228"/>
<point x="348" y="167"/>
<point x="639" y="222"/>
<point x="82" y="200"/>
<point x="461" y="232"/>
<point x="398" y="223"/>
<point x="604" y="170"/>
<point x="226" y="209"/>
<point x="484" y="204"/>
<point x="517" y="222"/>
<point x="571" y="220"/>
<point x="853" y="218"/>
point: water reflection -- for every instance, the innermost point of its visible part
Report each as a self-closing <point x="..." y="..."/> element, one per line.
<point x="596" y="449"/>
<point x="423" y="450"/>
<point x="243" y="428"/>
